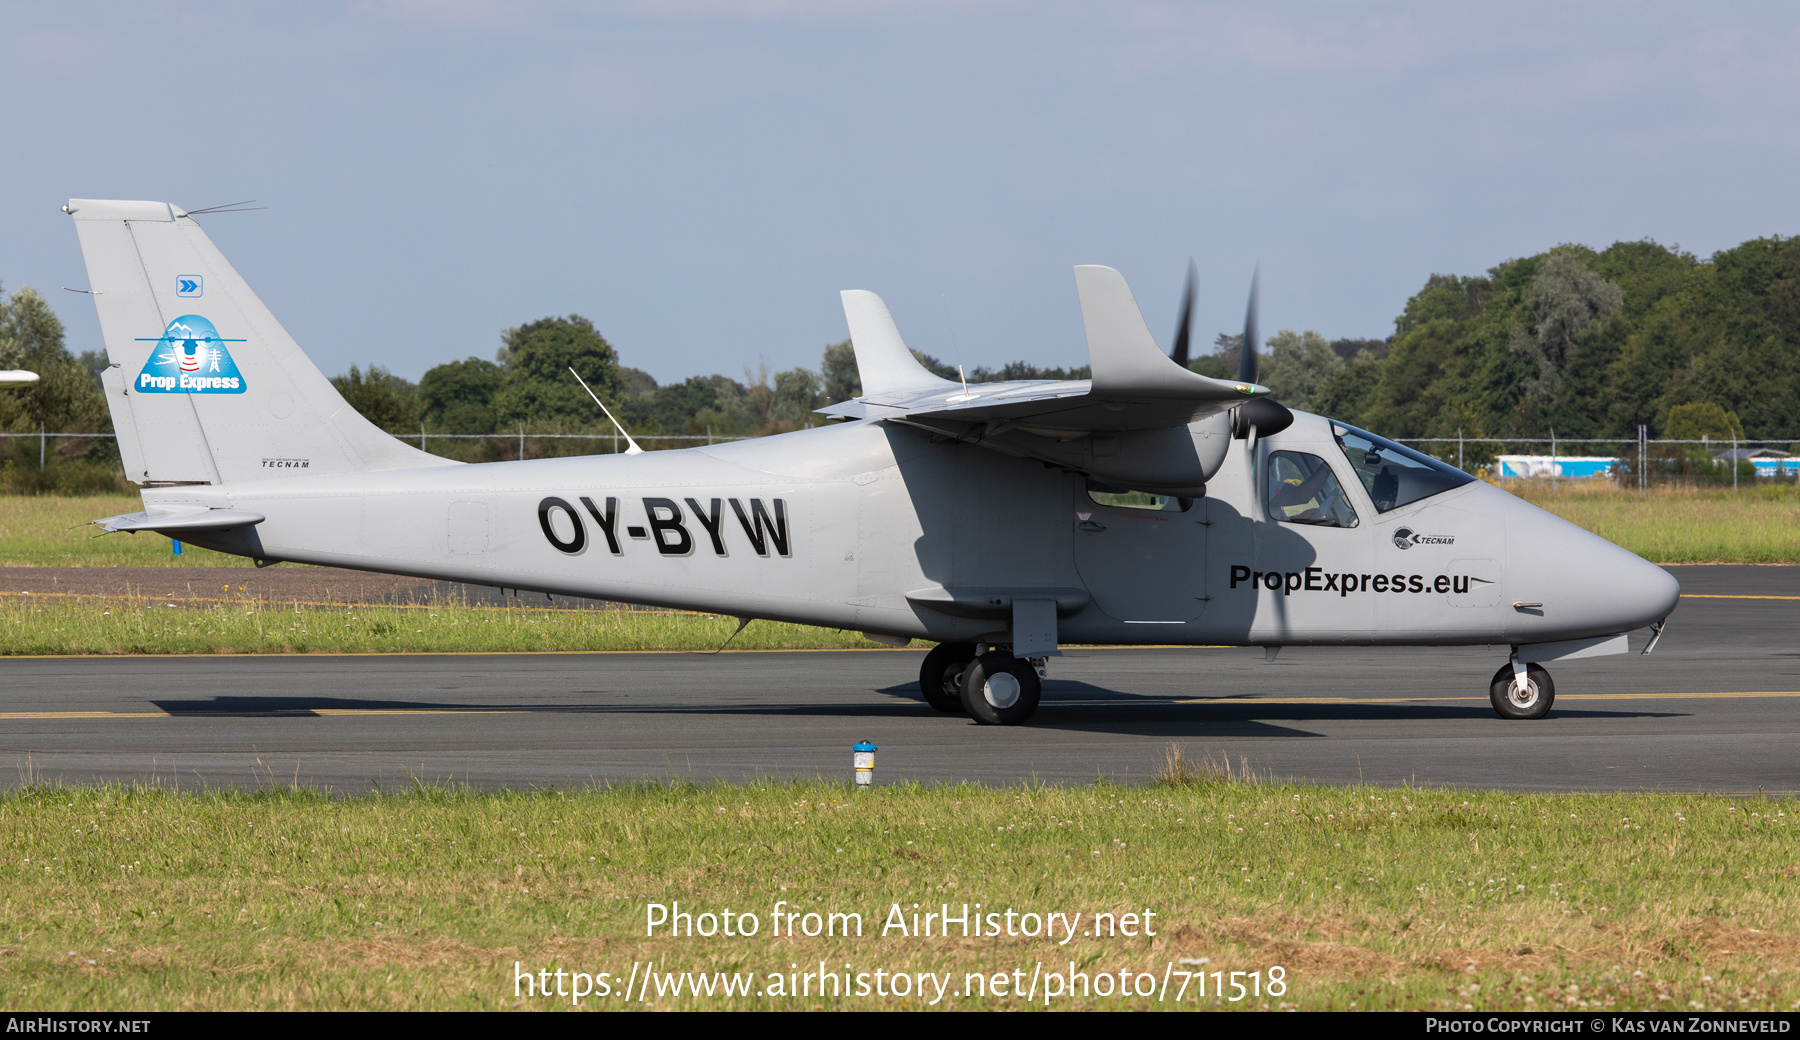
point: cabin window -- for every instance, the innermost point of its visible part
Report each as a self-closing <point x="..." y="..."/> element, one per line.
<point x="1124" y="498"/>
<point x="1303" y="490"/>
<point x="1394" y="474"/>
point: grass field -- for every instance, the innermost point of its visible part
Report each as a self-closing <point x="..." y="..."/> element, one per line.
<point x="1365" y="899"/>
<point x="53" y="531"/>
<point x="42" y="624"/>
<point x="1680" y="525"/>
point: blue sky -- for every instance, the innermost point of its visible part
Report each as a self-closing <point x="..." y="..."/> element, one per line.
<point x="701" y="178"/>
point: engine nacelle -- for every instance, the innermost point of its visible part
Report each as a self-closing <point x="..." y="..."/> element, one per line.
<point x="1175" y="460"/>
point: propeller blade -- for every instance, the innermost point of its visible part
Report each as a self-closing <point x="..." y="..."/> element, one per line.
<point x="1182" y="331"/>
<point x="1247" y="349"/>
<point x="1264" y="416"/>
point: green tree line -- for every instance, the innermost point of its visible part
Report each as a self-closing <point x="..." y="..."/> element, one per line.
<point x="1592" y="343"/>
<point x="65" y="399"/>
<point x="1589" y="343"/>
<point x="528" y="385"/>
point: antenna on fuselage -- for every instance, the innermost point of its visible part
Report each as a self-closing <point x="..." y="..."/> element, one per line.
<point x="632" y="448"/>
<point x="960" y="374"/>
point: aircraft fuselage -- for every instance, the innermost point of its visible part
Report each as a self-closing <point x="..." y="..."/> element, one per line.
<point x="889" y="529"/>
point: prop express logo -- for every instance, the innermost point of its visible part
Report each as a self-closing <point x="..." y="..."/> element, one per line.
<point x="190" y="358"/>
<point x="1318" y="579"/>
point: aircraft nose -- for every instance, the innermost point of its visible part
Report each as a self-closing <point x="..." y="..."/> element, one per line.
<point x="1645" y="592"/>
<point x="1585" y="584"/>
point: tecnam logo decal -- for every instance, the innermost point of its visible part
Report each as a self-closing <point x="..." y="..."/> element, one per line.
<point x="1404" y="538"/>
<point x="189" y="358"/>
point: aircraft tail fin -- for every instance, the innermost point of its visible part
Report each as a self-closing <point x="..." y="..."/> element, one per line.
<point x="206" y="386"/>
<point x="883" y="362"/>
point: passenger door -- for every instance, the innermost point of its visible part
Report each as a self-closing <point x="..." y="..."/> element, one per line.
<point x="1141" y="556"/>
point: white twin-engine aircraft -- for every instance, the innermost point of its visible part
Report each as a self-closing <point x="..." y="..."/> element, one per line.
<point x="1148" y="504"/>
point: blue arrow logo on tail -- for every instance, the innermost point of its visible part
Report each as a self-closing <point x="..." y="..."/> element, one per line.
<point x="189" y="285"/>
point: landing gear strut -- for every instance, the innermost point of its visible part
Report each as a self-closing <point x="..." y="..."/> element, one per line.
<point x="1526" y="696"/>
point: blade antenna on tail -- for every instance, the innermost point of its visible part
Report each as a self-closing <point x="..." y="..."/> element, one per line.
<point x="1184" y="330"/>
<point x="229" y="207"/>
<point x="633" y="448"/>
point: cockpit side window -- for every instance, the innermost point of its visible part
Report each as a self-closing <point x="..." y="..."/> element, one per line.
<point x="1394" y="474"/>
<point x="1303" y="490"/>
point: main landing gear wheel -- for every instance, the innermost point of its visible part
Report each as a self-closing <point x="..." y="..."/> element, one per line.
<point x="1533" y="702"/>
<point x="1000" y="690"/>
<point x="941" y="676"/>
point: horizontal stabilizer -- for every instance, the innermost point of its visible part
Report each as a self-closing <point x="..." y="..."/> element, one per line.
<point x="883" y="361"/>
<point x="182" y="522"/>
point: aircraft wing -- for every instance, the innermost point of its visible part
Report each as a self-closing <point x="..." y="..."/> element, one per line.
<point x="1135" y="386"/>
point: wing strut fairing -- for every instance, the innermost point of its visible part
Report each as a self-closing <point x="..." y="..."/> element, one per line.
<point x="1141" y="421"/>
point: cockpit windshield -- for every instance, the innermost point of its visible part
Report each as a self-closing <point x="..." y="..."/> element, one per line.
<point x="1394" y="474"/>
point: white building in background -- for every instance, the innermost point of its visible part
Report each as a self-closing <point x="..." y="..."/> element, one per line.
<point x="1555" y="465"/>
<point x="1768" y="461"/>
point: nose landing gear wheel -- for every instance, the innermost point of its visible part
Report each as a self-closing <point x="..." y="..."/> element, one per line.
<point x="940" y="677"/>
<point x="1531" y="703"/>
<point x="1000" y="690"/>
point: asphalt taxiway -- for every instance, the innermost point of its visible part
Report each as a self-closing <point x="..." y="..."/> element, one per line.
<point x="1715" y="708"/>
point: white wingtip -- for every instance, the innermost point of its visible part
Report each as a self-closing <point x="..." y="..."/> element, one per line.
<point x="883" y="362"/>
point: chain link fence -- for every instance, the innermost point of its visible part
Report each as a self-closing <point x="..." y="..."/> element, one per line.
<point x="1640" y="462"/>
